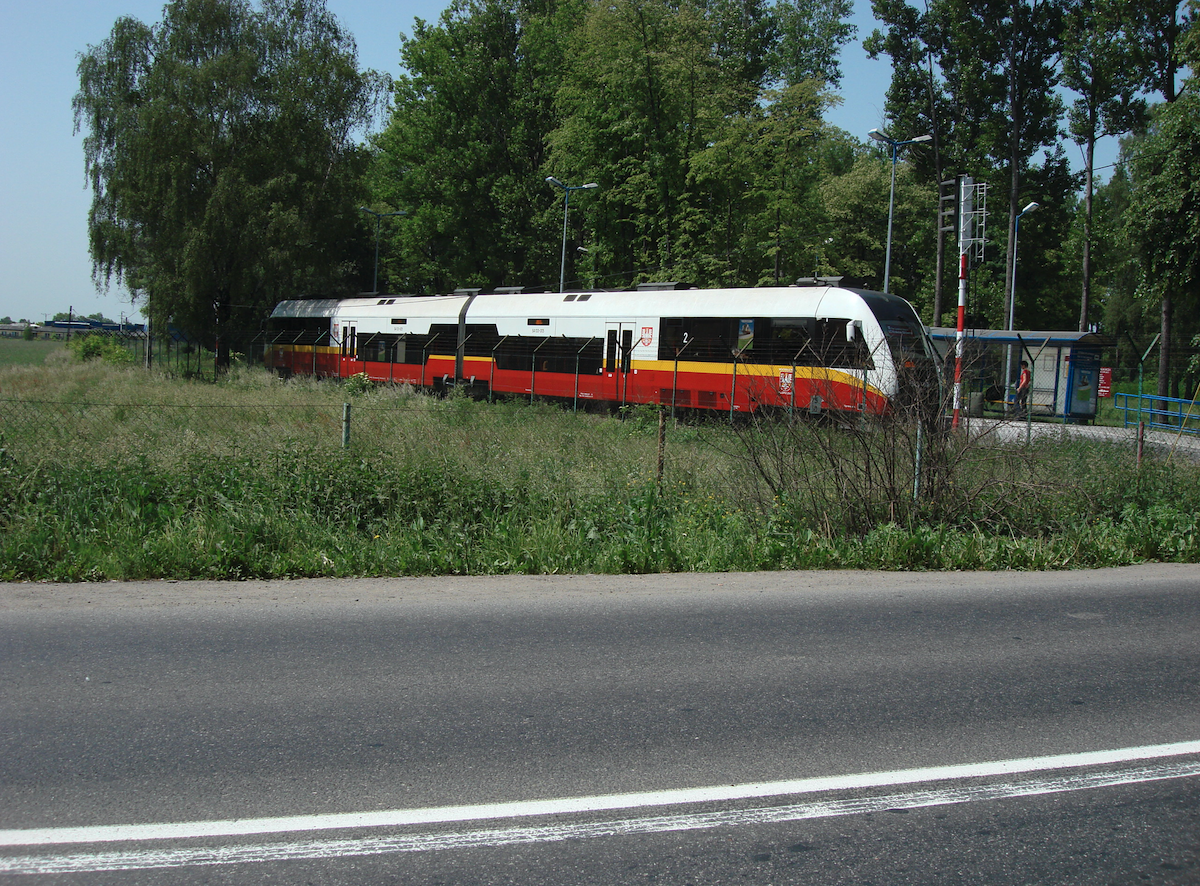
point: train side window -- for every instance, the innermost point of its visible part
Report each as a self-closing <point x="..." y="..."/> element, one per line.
<point x="671" y="338"/>
<point x="711" y="339"/>
<point x="839" y="343"/>
<point x="776" y="341"/>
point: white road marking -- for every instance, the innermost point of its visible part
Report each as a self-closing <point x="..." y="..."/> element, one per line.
<point x="571" y="805"/>
<point x="402" y="843"/>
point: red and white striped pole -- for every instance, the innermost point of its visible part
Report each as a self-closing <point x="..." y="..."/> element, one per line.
<point x="965" y="205"/>
<point x="960" y="337"/>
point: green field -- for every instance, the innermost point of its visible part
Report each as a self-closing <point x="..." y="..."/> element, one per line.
<point x="18" y="352"/>
<point x="111" y="473"/>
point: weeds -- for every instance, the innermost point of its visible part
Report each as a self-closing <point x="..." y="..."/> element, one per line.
<point x="107" y="473"/>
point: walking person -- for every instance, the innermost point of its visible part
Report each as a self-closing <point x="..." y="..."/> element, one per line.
<point x="1023" y="388"/>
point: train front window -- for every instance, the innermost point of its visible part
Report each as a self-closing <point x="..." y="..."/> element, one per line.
<point x="907" y="341"/>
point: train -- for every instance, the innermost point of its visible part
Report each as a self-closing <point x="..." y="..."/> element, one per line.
<point x="814" y="346"/>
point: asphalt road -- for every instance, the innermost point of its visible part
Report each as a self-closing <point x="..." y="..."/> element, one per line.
<point x="763" y="728"/>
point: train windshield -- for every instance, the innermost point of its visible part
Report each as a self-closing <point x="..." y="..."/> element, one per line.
<point x="907" y="341"/>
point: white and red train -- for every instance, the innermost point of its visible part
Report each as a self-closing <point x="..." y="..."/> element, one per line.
<point x="816" y="347"/>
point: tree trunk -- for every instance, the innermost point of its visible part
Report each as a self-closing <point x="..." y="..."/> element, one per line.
<point x="1164" y="349"/>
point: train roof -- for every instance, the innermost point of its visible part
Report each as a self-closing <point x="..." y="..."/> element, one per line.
<point x="307" y="307"/>
<point x="778" y="301"/>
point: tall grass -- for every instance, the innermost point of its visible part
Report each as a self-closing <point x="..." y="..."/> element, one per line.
<point x="108" y="473"/>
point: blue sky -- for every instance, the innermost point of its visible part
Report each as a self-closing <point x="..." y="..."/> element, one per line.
<point x="44" y="263"/>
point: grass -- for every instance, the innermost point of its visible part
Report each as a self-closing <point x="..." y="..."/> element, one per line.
<point x="109" y="473"/>
<point x="18" y="352"/>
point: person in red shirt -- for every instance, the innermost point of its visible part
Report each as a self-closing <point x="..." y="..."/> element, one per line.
<point x="1023" y="388"/>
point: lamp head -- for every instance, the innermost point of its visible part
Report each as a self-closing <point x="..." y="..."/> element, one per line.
<point x="1030" y="208"/>
<point x="878" y="136"/>
<point x="921" y="138"/>
<point x="552" y="180"/>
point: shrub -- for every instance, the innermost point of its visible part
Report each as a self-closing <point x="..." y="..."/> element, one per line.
<point x="101" y="347"/>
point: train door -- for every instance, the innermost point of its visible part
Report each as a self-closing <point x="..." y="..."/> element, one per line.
<point x="348" y="351"/>
<point x="618" y="350"/>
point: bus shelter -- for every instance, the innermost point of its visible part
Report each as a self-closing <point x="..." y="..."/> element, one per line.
<point x="1065" y="368"/>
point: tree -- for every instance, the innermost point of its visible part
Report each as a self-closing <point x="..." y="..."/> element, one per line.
<point x="1158" y="33"/>
<point x="66" y="316"/>
<point x="1164" y="216"/>
<point x="220" y="147"/>
<point x="1000" y="59"/>
<point x="1118" y="273"/>
<point x="642" y="98"/>
<point x="1162" y="37"/>
<point x="1099" y="64"/>
<point x="977" y="75"/>
<point x="916" y="103"/>
<point x="465" y="147"/>
<point x="708" y="165"/>
<point x="811" y="35"/>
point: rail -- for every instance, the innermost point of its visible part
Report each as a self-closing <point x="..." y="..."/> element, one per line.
<point x="1163" y="413"/>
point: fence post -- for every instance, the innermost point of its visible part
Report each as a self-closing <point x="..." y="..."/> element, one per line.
<point x="917" y="464"/>
<point x="662" y="445"/>
<point x="345" y="425"/>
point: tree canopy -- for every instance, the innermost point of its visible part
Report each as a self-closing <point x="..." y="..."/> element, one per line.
<point x="220" y="147"/>
<point x="700" y="122"/>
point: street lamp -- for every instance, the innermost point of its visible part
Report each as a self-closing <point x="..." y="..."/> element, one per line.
<point x="567" y="189"/>
<point x="1012" y="296"/>
<point x="379" y="216"/>
<point x="895" y="145"/>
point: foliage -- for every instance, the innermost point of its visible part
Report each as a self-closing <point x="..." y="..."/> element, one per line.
<point x="465" y="146"/>
<point x="978" y="77"/>
<point x="219" y="147"/>
<point x="67" y="316"/>
<point x="1164" y="215"/>
<point x="247" y="479"/>
<point x="100" y="347"/>
<point x="357" y="384"/>
<point x="811" y="35"/>
<point x="700" y="123"/>
<point x="1099" y="64"/>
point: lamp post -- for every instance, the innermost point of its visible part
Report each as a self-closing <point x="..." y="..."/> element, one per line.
<point x="379" y="217"/>
<point x="1012" y="296"/>
<point x="895" y="145"/>
<point x="566" y="189"/>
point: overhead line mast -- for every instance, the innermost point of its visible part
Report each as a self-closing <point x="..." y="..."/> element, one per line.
<point x="972" y="218"/>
